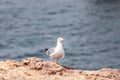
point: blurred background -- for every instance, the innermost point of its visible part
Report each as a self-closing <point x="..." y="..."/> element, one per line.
<point x="91" y="29"/>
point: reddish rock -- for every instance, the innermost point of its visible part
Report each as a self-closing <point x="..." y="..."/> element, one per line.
<point x="39" y="69"/>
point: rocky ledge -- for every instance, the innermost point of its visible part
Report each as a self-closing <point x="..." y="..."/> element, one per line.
<point x="39" y="69"/>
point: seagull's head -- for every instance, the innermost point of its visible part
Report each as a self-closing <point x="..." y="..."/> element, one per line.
<point x="60" y="39"/>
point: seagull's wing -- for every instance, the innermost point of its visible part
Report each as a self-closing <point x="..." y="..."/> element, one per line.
<point x="50" y="51"/>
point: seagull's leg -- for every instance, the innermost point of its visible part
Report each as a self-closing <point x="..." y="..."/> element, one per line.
<point x="56" y="60"/>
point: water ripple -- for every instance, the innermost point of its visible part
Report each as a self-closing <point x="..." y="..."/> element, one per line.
<point x="91" y="29"/>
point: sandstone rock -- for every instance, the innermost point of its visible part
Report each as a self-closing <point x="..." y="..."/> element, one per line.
<point x="39" y="69"/>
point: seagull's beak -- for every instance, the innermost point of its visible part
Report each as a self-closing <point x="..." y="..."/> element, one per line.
<point x="63" y="40"/>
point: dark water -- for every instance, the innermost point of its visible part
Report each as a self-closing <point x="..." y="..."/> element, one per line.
<point x="91" y="29"/>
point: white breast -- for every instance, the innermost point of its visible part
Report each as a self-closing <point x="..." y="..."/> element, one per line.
<point x="59" y="52"/>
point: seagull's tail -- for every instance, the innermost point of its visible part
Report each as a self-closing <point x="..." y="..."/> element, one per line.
<point x="46" y="49"/>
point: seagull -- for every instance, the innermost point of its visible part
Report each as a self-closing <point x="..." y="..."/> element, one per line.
<point x="58" y="51"/>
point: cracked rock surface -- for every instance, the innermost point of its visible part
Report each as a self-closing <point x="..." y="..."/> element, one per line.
<point x="39" y="69"/>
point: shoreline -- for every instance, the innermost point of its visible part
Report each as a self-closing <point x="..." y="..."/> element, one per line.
<point x="39" y="69"/>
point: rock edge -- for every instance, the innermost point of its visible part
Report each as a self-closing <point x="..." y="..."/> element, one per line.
<point x="39" y="69"/>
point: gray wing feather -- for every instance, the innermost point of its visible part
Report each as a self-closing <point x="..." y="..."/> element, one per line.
<point x="50" y="51"/>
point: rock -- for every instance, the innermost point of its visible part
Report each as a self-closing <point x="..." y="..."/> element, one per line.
<point x="39" y="69"/>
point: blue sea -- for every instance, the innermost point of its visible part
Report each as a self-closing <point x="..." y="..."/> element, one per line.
<point x="91" y="29"/>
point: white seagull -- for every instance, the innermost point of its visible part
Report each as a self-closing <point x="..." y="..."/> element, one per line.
<point x="58" y="51"/>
